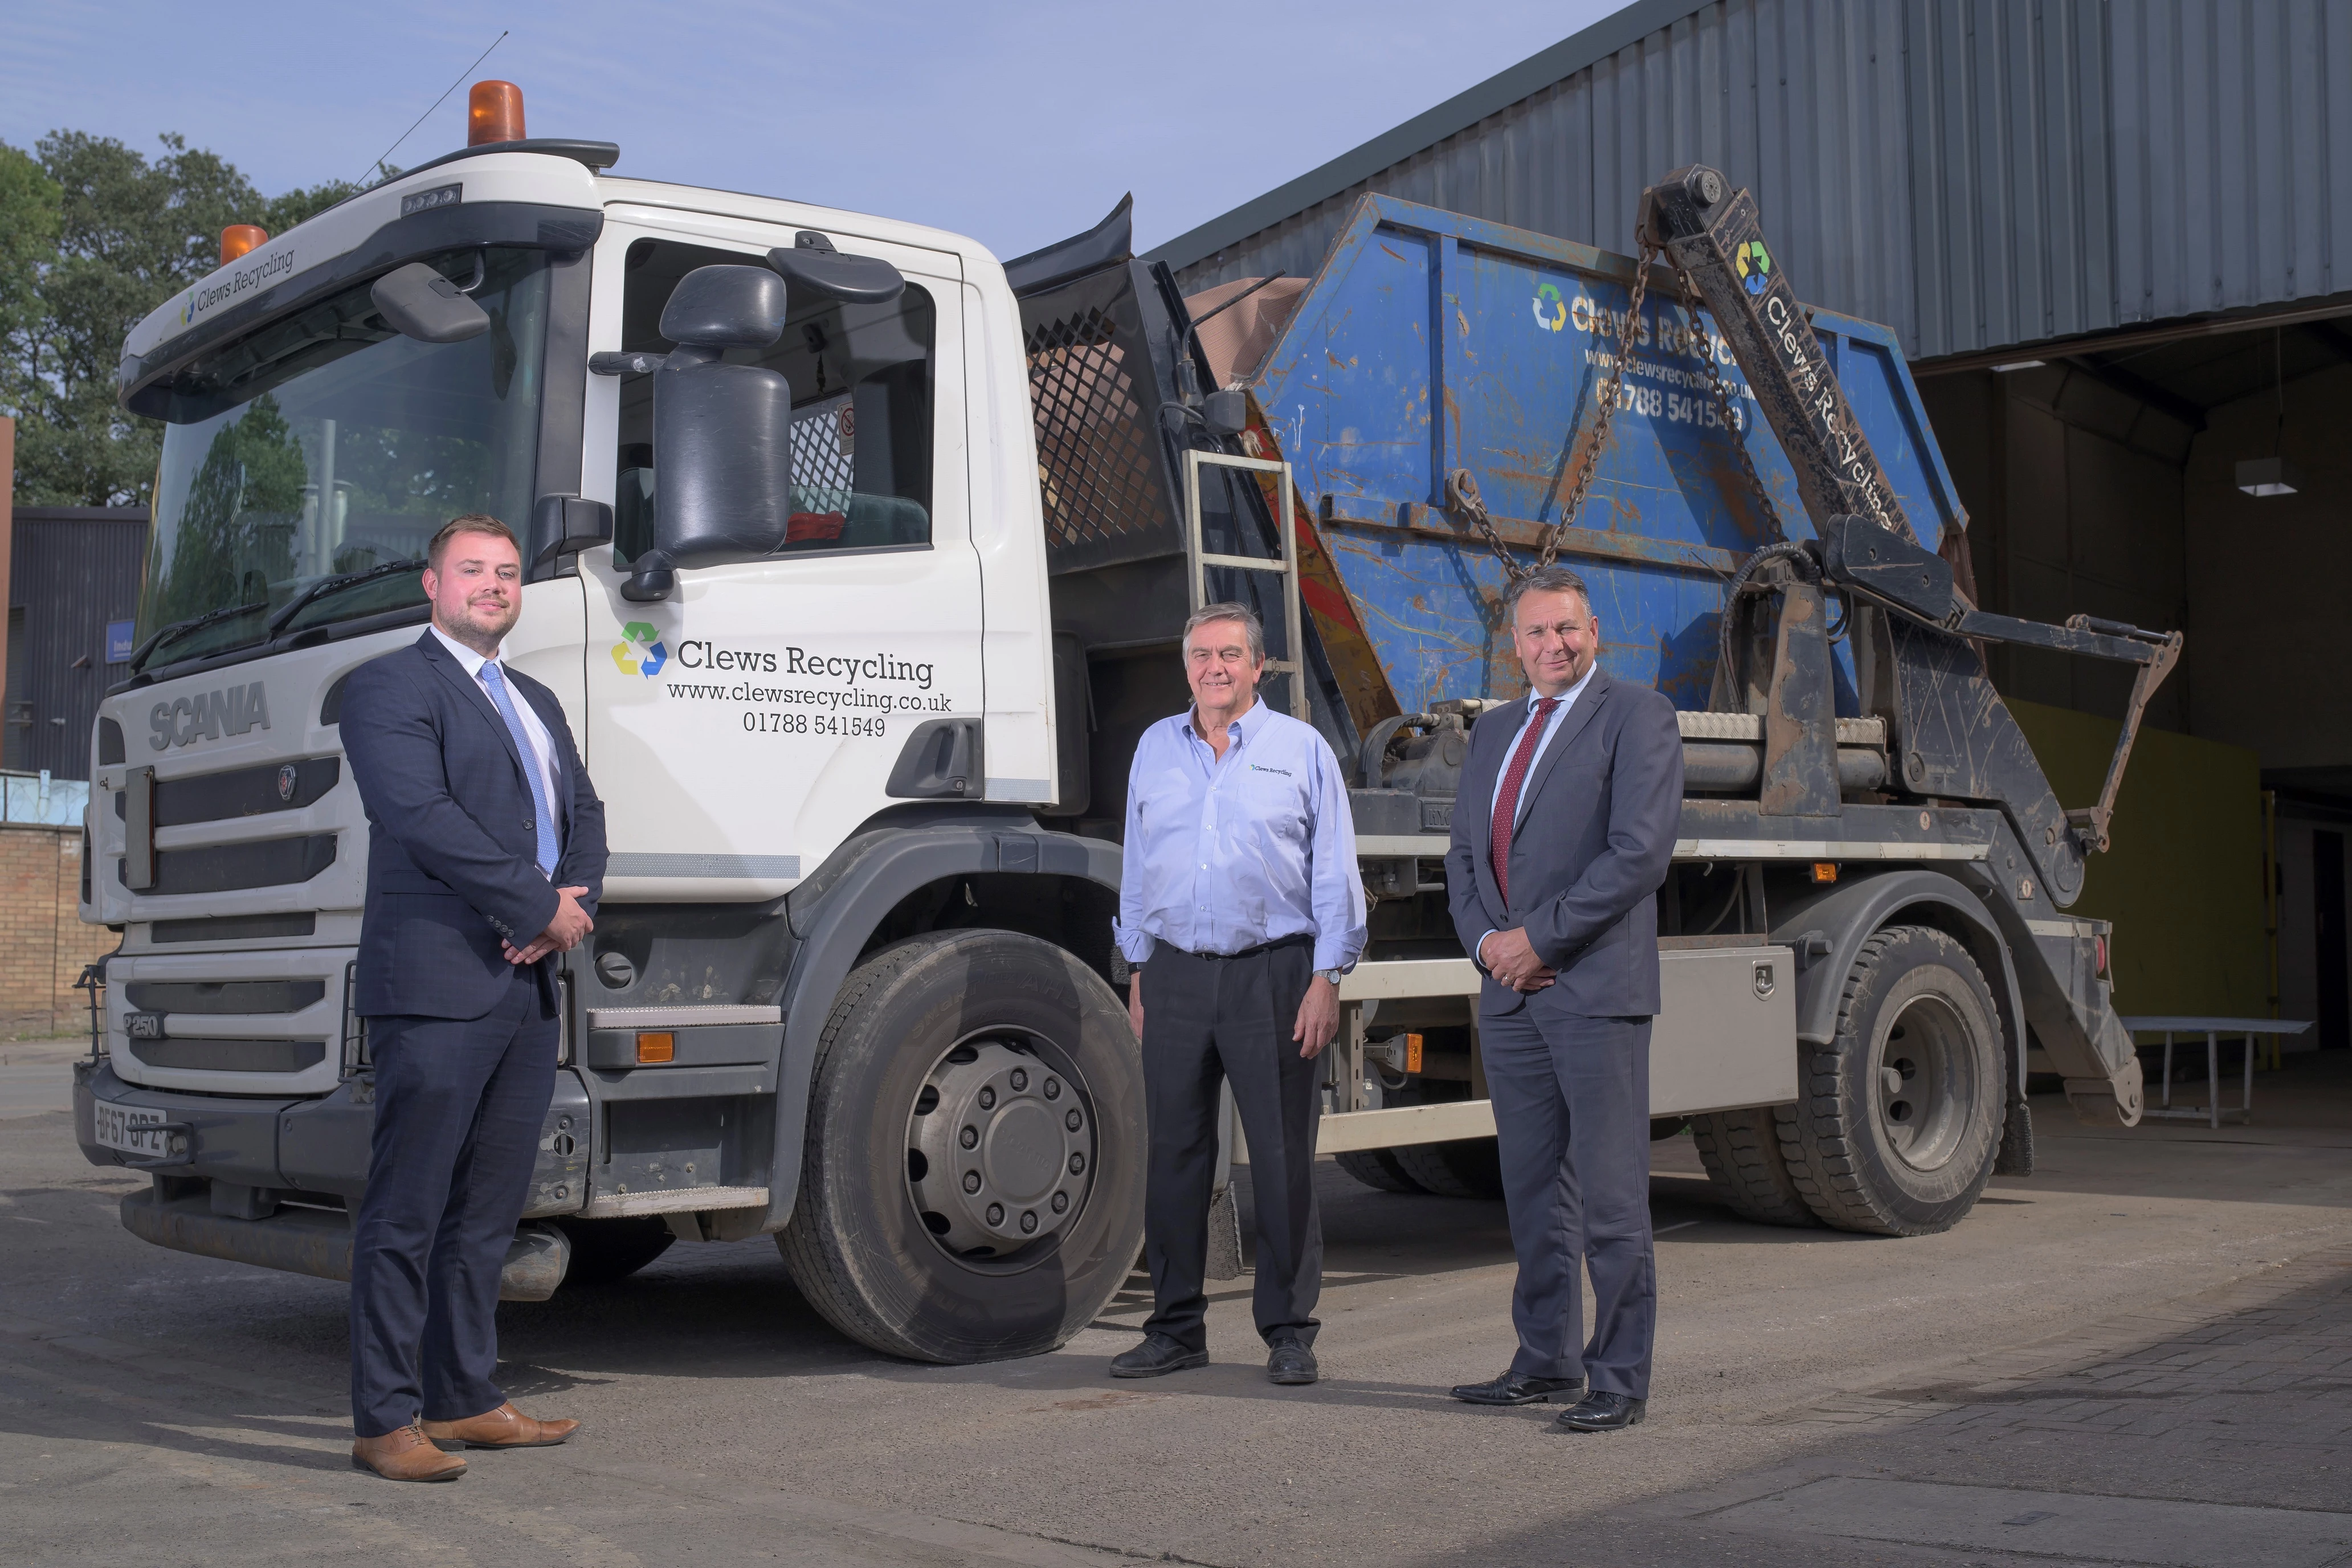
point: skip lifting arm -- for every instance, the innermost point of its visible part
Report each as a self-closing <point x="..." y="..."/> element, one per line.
<point x="1712" y="233"/>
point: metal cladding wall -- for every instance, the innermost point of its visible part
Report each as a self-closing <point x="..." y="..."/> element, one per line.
<point x="1972" y="174"/>
<point x="73" y="570"/>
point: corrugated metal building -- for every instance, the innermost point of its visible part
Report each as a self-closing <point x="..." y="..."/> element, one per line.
<point x="72" y="571"/>
<point x="1975" y="174"/>
<point x="2115" y="237"/>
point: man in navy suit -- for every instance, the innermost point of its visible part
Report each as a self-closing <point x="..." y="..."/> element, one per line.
<point x="486" y="854"/>
<point x="1562" y="835"/>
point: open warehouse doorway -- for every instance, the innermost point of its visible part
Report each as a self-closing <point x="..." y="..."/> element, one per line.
<point x="2198" y="476"/>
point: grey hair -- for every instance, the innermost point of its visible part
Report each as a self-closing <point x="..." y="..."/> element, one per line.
<point x="1545" y="580"/>
<point x="1230" y="611"/>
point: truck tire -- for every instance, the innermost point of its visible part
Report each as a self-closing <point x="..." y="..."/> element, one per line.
<point x="972" y="1182"/>
<point x="1901" y="1112"/>
<point x="605" y="1251"/>
<point x="1465" y="1168"/>
<point x="1377" y="1168"/>
<point x="1741" y="1152"/>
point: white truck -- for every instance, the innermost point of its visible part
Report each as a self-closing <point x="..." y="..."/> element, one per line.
<point x="856" y="683"/>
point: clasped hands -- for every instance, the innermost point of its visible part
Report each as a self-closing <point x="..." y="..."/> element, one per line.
<point x="1510" y="960"/>
<point x="562" y="933"/>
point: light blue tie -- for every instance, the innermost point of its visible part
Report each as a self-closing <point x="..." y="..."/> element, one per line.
<point x="496" y="682"/>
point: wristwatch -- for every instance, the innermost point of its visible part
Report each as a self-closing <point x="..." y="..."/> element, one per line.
<point x="1331" y="974"/>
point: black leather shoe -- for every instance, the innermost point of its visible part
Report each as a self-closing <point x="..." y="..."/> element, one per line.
<point x="1601" y="1412"/>
<point x="1516" y="1388"/>
<point x="1157" y="1356"/>
<point x="1291" y="1363"/>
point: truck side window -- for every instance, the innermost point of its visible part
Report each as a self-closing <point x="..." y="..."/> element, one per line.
<point x="861" y="378"/>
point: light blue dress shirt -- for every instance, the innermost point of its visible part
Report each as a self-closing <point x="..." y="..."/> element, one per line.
<point x="1552" y="727"/>
<point x="1224" y="855"/>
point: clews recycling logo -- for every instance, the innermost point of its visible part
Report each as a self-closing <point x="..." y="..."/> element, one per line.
<point x="1755" y="266"/>
<point x="643" y="654"/>
<point x="1551" y="311"/>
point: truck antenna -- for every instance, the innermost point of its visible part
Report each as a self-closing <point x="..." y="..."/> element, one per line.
<point x="380" y="169"/>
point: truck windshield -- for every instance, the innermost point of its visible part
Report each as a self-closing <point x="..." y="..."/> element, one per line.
<point x="306" y="465"/>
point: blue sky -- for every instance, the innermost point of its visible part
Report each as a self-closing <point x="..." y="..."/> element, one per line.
<point x="1016" y="123"/>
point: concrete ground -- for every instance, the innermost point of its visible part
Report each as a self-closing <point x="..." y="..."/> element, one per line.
<point x="2141" y="1355"/>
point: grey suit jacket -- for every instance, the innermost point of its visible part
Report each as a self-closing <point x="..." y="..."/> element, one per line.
<point x="1590" y="851"/>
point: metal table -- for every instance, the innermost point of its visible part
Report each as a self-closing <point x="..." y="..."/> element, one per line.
<point x="2249" y="1029"/>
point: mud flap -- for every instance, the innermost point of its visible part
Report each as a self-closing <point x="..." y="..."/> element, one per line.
<point x="2015" y="1155"/>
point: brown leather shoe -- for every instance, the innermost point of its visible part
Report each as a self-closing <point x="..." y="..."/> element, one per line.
<point x="505" y="1428"/>
<point x="406" y="1455"/>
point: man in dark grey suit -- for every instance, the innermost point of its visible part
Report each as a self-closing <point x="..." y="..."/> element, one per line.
<point x="1562" y="835"/>
<point x="486" y="854"/>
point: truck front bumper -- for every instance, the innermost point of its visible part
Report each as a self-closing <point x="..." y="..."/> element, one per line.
<point x="257" y="1181"/>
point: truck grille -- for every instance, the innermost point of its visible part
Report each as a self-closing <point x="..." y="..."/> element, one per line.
<point x="233" y="928"/>
<point x="231" y="1056"/>
<point x="230" y="1023"/>
<point x="225" y="867"/>
<point x="241" y="792"/>
<point x="223" y="996"/>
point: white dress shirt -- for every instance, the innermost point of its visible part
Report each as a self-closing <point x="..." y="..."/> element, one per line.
<point x="543" y="744"/>
<point x="1552" y="727"/>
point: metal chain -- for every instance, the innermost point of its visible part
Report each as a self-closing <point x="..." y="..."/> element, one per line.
<point x="1461" y="486"/>
<point x="1737" y="431"/>
<point x="1462" y="496"/>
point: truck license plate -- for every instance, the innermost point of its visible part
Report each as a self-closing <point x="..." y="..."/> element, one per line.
<point x="133" y="1131"/>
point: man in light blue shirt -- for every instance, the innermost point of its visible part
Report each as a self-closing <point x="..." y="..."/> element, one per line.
<point x="1241" y="905"/>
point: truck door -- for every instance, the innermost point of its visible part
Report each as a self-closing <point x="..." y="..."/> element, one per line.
<point x="741" y="729"/>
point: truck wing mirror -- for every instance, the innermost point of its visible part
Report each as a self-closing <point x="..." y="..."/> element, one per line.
<point x="812" y="264"/>
<point x="722" y="433"/>
<point x="565" y="525"/>
<point x="418" y="302"/>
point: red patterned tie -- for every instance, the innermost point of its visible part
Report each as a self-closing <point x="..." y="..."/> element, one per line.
<point x="1506" y="799"/>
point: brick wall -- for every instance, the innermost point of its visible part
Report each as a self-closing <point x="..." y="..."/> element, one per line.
<point x="42" y="943"/>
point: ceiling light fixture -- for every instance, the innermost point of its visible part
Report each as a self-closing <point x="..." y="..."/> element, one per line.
<point x="2273" y="475"/>
<point x="2268" y="477"/>
<point x="2019" y="364"/>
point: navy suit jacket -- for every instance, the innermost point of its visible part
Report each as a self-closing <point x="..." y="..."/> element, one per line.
<point x="453" y="837"/>
<point x="1591" y="852"/>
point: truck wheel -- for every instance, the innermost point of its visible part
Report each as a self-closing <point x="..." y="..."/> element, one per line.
<point x="606" y="1250"/>
<point x="971" y="1184"/>
<point x="1902" y="1110"/>
<point x="1741" y="1152"/>
<point x="1377" y="1168"/>
<point x="1466" y="1168"/>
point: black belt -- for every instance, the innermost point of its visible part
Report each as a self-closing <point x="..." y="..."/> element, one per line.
<point x="1304" y="939"/>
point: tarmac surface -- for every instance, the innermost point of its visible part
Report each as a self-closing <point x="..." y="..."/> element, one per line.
<point x="2142" y="1354"/>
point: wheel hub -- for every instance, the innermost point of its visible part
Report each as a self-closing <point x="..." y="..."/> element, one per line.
<point x="1001" y="1149"/>
<point x="1925" y="1084"/>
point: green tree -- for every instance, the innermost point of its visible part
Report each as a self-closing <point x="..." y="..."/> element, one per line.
<point x="29" y="202"/>
<point x="127" y="233"/>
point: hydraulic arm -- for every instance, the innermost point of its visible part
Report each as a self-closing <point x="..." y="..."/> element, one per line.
<point x="1957" y="738"/>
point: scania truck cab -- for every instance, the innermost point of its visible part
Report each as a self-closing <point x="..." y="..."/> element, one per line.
<point x="743" y="730"/>
<point x="856" y="560"/>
